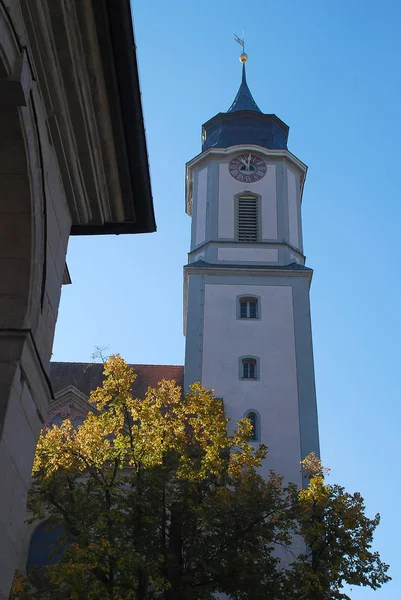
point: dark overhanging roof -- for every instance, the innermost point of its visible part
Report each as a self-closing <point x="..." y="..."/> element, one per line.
<point x="117" y="48"/>
<point x="244" y="123"/>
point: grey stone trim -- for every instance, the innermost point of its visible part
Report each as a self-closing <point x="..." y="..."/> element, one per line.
<point x="232" y="242"/>
<point x="194" y="212"/>
<point x="308" y="417"/>
<point x="21" y="345"/>
<point x="299" y="203"/>
<point x="258" y="307"/>
<point x="185" y="304"/>
<point x="240" y="361"/>
<point x="194" y="330"/>
<point x="212" y="199"/>
<point x="282" y="202"/>
<point x="249" y="271"/>
<point x="222" y="242"/>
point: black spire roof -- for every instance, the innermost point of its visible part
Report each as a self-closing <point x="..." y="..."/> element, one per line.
<point x="243" y="100"/>
<point x="244" y="123"/>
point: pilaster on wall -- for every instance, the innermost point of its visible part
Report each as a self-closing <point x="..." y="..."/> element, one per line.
<point x="25" y="393"/>
<point x="34" y="229"/>
<point x="72" y="137"/>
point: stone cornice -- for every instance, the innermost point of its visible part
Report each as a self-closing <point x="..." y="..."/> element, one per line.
<point x="237" y="244"/>
<point x="197" y="160"/>
<point x="270" y="271"/>
<point x="76" y="59"/>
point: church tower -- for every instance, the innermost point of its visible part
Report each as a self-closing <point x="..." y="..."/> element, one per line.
<point x="246" y="287"/>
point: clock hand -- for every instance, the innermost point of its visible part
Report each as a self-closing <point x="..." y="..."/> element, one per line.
<point x="249" y="161"/>
<point x="243" y="160"/>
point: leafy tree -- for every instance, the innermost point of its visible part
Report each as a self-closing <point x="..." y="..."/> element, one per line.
<point x="338" y="538"/>
<point x="157" y="499"/>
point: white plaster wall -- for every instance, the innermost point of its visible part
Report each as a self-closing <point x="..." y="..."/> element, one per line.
<point x="201" y="206"/>
<point x="275" y="394"/>
<point x="248" y="254"/>
<point x="293" y="209"/>
<point x="230" y="187"/>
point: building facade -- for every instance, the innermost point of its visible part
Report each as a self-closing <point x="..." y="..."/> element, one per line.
<point x="73" y="161"/>
<point x="246" y="297"/>
<point x="246" y="290"/>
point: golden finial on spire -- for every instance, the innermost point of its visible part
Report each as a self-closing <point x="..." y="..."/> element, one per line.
<point x="241" y="41"/>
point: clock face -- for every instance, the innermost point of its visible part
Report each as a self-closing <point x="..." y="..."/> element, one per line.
<point x="247" y="168"/>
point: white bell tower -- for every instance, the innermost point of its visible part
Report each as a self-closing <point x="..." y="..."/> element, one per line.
<point x="247" y="312"/>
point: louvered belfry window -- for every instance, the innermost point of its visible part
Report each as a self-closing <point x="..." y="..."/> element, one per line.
<point x="248" y="226"/>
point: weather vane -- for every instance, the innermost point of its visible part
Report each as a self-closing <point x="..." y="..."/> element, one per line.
<point x="241" y="41"/>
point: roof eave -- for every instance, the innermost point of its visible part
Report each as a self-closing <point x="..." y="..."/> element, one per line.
<point x="90" y="89"/>
<point x="122" y="80"/>
<point x="248" y="113"/>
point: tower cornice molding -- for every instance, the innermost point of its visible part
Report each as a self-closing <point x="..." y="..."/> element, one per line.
<point x="203" y="156"/>
<point x="293" y="270"/>
<point x="235" y="243"/>
<point x="243" y="147"/>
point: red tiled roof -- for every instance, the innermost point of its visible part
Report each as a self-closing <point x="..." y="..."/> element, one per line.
<point x="88" y="376"/>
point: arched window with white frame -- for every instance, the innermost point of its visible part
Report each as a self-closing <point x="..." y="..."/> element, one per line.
<point x="249" y="367"/>
<point x="254" y="418"/>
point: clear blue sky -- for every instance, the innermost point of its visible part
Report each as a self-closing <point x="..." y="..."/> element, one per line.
<point x="331" y="70"/>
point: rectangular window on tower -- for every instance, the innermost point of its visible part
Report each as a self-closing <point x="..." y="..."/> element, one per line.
<point x="248" y="308"/>
<point x="249" y="368"/>
<point x="247" y="218"/>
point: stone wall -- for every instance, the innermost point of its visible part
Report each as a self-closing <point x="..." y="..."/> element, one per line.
<point x="71" y="139"/>
<point x="34" y="229"/>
